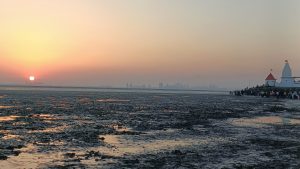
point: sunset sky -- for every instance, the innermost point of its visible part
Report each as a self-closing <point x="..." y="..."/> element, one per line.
<point x="228" y="43"/>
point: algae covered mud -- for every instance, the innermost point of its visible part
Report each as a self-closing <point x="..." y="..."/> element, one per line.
<point x="82" y="129"/>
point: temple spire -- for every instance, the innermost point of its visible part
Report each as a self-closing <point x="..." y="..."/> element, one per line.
<point x="287" y="71"/>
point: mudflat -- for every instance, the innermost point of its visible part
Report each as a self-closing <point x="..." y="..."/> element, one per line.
<point x="59" y="129"/>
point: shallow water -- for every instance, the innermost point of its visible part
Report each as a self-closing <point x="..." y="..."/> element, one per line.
<point x="8" y="118"/>
<point x="265" y="121"/>
<point x="132" y="146"/>
<point x="6" y="107"/>
<point x="30" y="158"/>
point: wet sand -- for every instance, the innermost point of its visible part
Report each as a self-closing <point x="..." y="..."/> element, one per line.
<point x="40" y="129"/>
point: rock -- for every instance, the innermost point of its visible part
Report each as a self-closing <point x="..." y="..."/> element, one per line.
<point x="70" y="155"/>
<point x="3" y="157"/>
<point x="177" y="152"/>
<point x="10" y="148"/>
<point x="131" y="161"/>
<point x="17" y="153"/>
<point x="19" y="146"/>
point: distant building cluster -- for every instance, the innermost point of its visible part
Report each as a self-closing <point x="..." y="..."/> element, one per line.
<point x="159" y="86"/>
<point x="175" y="86"/>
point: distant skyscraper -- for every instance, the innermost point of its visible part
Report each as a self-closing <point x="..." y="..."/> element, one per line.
<point x="160" y="85"/>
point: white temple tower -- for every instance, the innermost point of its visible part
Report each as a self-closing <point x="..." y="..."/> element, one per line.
<point x="287" y="79"/>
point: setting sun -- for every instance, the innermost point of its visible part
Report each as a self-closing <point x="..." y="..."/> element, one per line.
<point x="31" y="78"/>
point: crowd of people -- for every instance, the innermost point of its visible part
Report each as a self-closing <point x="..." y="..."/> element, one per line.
<point x="264" y="91"/>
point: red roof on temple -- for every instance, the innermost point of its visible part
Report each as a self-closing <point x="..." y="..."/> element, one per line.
<point x="270" y="77"/>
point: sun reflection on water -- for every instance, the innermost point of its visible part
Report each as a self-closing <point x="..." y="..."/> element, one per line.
<point x="8" y="118"/>
<point x="6" y="107"/>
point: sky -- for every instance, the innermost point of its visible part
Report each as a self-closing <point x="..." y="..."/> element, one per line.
<point x="228" y="43"/>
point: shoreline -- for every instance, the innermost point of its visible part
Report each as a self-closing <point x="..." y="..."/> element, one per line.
<point x="99" y="89"/>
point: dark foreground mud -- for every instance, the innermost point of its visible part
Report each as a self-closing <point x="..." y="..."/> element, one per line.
<point x="41" y="129"/>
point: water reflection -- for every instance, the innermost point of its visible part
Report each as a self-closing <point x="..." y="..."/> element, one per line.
<point x="120" y="128"/>
<point x="57" y="129"/>
<point x="125" y="145"/>
<point x="8" y="118"/>
<point x="30" y="158"/>
<point x="8" y="136"/>
<point x="264" y="121"/>
<point x="6" y="107"/>
<point x="43" y="116"/>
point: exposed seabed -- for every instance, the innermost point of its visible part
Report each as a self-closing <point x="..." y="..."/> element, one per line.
<point x="40" y="129"/>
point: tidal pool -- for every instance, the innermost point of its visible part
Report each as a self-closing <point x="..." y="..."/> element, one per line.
<point x="8" y="118"/>
<point x="265" y="121"/>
